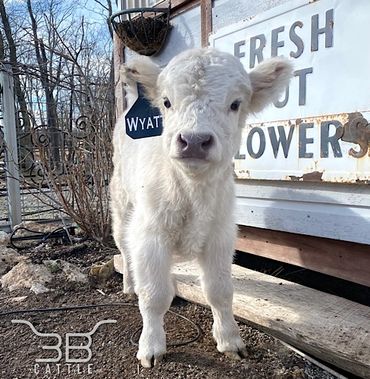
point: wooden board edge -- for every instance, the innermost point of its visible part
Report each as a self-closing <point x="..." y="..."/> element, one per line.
<point x="345" y="260"/>
<point x="192" y="292"/>
<point x="206" y="20"/>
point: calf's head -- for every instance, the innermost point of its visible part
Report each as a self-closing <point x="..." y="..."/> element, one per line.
<point x="205" y="96"/>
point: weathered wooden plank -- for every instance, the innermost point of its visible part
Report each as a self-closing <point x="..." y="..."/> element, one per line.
<point x="322" y="193"/>
<point x="323" y="220"/>
<point x="328" y="327"/>
<point x="326" y="210"/>
<point x="345" y="260"/>
<point x="178" y="6"/>
<point x="118" y="59"/>
<point x="206" y="20"/>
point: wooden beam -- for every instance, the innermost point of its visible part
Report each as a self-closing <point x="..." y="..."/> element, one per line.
<point x="178" y="6"/>
<point x="206" y="17"/>
<point x="345" y="260"/>
<point x="328" y="327"/>
<point x="175" y="4"/>
<point x="118" y="60"/>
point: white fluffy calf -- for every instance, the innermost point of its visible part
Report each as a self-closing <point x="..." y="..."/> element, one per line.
<point x="173" y="195"/>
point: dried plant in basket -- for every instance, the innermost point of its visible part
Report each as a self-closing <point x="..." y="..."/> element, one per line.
<point x="143" y="30"/>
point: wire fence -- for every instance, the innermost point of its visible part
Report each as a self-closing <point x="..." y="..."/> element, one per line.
<point x="36" y="204"/>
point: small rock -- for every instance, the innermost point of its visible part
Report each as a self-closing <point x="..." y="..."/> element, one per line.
<point x="53" y="266"/>
<point x="8" y="259"/>
<point x="38" y="288"/>
<point x="118" y="263"/>
<point x="18" y="299"/>
<point x="25" y="275"/>
<point x="41" y="247"/>
<point x="102" y="272"/>
<point x="4" y="238"/>
<point x="71" y="271"/>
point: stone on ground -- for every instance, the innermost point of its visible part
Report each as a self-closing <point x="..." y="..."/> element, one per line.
<point x="26" y="275"/>
<point x="8" y="259"/>
<point x="4" y="238"/>
<point x="71" y="271"/>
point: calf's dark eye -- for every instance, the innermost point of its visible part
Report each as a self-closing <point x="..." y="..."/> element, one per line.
<point x="166" y="103"/>
<point x="235" y="105"/>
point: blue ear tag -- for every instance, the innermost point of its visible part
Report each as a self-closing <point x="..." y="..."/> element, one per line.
<point x="143" y="120"/>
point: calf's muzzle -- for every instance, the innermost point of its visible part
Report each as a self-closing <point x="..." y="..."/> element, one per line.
<point x="194" y="145"/>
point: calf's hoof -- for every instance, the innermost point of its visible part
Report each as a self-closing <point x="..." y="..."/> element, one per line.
<point x="128" y="289"/>
<point x="237" y="355"/>
<point x="152" y="347"/>
<point x="131" y="296"/>
<point x="149" y="363"/>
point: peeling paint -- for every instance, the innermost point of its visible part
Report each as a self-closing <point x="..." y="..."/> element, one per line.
<point x="315" y="176"/>
<point x="356" y="130"/>
<point x="316" y="151"/>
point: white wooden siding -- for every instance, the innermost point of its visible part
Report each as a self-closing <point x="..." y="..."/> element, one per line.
<point x="333" y="211"/>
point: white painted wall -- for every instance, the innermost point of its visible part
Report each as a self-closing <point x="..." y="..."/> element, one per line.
<point x="320" y="209"/>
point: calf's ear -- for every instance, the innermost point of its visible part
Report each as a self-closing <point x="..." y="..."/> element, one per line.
<point x="141" y="70"/>
<point x="269" y="79"/>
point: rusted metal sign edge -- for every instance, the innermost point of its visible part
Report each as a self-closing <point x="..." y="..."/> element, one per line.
<point x="332" y="148"/>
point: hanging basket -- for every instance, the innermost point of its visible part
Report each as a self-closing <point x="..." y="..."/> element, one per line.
<point x="143" y="30"/>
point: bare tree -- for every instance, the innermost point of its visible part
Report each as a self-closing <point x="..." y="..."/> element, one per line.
<point x="47" y="84"/>
<point x="107" y="6"/>
<point x="65" y="72"/>
<point x="19" y="92"/>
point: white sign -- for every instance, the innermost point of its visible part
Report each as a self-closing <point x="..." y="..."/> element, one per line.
<point x="318" y="130"/>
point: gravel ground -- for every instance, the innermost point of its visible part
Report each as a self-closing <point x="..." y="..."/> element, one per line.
<point x="113" y="355"/>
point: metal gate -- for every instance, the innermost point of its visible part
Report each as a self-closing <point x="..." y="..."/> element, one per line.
<point x="20" y="199"/>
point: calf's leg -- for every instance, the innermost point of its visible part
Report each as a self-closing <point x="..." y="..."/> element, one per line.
<point x="151" y="268"/>
<point x="216" y="282"/>
<point x="120" y="208"/>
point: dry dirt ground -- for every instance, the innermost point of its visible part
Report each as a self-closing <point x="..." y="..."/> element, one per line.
<point x="112" y="352"/>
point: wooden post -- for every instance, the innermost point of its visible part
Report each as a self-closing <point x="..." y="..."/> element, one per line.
<point x="11" y="156"/>
<point x="118" y="60"/>
<point x="206" y="17"/>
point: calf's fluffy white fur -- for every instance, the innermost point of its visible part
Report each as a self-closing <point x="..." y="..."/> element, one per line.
<point x="173" y="196"/>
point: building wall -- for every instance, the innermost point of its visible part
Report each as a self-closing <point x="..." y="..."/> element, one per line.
<point x="338" y="211"/>
<point x="226" y="12"/>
